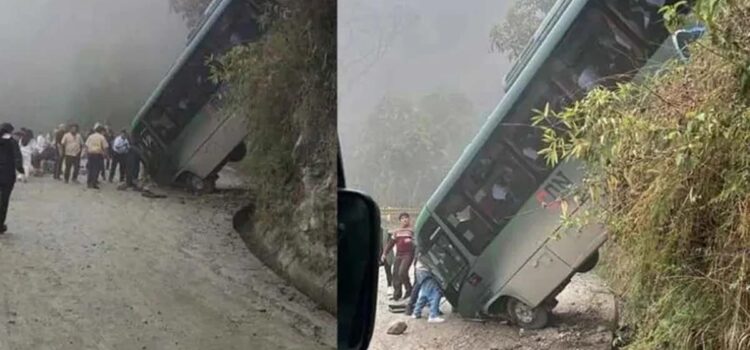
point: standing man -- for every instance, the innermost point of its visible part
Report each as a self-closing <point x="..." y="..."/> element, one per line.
<point x="58" y="135"/>
<point x="388" y="262"/>
<point x="96" y="150"/>
<point x="107" y="133"/>
<point x="403" y="239"/>
<point x="72" y="145"/>
<point x="119" y="153"/>
<point x="10" y="162"/>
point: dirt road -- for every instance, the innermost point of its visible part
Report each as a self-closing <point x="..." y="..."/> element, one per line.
<point x="87" y="269"/>
<point x="579" y="322"/>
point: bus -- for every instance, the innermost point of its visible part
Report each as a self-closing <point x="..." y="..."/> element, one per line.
<point x="181" y="133"/>
<point x="492" y="232"/>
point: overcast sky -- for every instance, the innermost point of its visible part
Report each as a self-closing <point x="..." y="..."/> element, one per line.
<point x="411" y="48"/>
<point x="45" y="42"/>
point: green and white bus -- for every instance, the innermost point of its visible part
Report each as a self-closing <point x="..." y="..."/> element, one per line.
<point x="182" y="135"/>
<point x="487" y="231"/>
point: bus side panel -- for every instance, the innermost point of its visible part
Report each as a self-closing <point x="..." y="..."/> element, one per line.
<point x="531" y="229"/>
<point x="219" y="142"/>
<point x="192" y="137"/>
<point x="538" y="278"/>
<point x="519" y="240"/>
<point x="576" y="244"/>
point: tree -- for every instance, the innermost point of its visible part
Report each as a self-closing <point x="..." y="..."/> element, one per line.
<point x="408" y="147"/>
<point x="190" y="10"/>
<point x="511" y="36"/>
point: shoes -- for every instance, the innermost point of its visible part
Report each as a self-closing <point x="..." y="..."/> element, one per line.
<point x="415" y="316"/>
<point x="3" y="229"/>
<point x="436" y="320"/>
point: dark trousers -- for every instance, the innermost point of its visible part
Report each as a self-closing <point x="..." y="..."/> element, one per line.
<point x="117" y="159"/>
<point x="132" y="168"/>
<point x="58" y="164"/>
<point x="388" y="273"/>
<point x="72" y="162"/>
<point x="95" y="166"/>
<point x="5" y="190"/>
<point x="401" y="275"/>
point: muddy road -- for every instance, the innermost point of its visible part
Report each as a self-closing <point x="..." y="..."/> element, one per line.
<point x="581" y="321"/>
<point x="108" y="269"/>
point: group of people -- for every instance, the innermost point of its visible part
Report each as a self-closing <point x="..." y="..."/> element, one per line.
<point x="425" y="289"/>
<point x="23" y="155"/>
<point x="102" y="151"/>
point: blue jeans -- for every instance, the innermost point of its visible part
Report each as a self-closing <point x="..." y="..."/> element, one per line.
<point x="430" y="292"/>
<point x="419" y="276"/>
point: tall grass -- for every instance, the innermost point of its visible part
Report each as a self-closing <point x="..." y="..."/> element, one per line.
<point x="668" y="163"/>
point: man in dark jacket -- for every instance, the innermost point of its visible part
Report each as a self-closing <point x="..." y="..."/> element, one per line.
<point x="10" y="162"/>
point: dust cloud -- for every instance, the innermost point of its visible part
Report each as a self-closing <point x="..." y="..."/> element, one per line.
<point x="405" y="50"/>
<point x="83" y="60"/>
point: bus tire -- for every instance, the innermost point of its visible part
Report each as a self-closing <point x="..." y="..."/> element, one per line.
<point x="238" y="153"/>
<point x="526" y="317"/>
<point x="201" y="186"/>
<point x="590" y="263"/>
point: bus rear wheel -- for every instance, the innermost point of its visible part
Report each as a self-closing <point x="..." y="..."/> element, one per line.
<point x="527" y="317"/>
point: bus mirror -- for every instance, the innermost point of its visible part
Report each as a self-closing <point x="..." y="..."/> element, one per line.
<point x="359" y="241"/>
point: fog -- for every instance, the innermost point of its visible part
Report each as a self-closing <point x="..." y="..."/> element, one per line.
<point x="83" y="60"/>
<point x="409" y="49"/>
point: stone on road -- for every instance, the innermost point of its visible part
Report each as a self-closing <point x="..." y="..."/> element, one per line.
<point x="108" y="269"/>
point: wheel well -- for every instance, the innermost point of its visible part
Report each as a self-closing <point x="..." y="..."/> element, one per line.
<point x="499" y="306"/>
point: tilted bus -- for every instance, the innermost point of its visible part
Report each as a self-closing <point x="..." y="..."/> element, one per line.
<point x="182" y="134"/>
<point x="492" y="232"/>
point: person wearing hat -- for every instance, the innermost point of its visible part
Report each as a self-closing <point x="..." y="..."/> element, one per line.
<point x="96" y="150"/>
<point x="11" y="162"/>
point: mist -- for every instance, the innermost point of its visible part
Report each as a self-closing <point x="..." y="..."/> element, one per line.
<point x="397" y="53"/>
<point x="83" y="61"/>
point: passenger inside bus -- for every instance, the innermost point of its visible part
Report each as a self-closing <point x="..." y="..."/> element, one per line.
<point x="466" y="223"/>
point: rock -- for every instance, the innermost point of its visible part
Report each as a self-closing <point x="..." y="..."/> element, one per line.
<point x="601" y="329"/>
<point x="397" y="328"/>
<point x="521" y="332"/>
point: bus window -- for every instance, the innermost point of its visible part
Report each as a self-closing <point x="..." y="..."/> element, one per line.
<point x="598" y="51"/>
<point x="500" y="198"/>
<point x="517" y="130"/>
<point x="465" y="222"/>
<point x="450" y="267"/>
<point x="640" y="17"/>
<point x="163" y="125"/>
<point x="427" y="234"/>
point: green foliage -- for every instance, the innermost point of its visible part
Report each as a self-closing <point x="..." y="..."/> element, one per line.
<point x="669" y="171"/>
<point x="524" y="17"/>
<point x="409" y="146"/>
<point x="285" y="84"/>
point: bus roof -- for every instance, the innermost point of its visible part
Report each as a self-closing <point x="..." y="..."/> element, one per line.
<point x="556" y="25"/>
<point x="536" y="40"/>
<point x="207" y="23"/>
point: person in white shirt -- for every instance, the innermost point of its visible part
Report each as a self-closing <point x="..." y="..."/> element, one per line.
<point x="120" y="150"/>
<point x="27" y="145"/>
